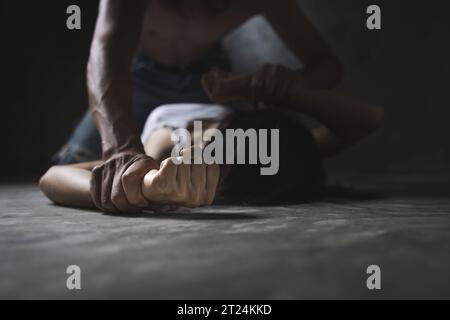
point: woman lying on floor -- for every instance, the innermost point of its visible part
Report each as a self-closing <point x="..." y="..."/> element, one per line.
<point x="300" y="177"/>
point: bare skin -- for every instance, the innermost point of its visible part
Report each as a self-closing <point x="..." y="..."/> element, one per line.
<point x="173" y="32"/>
<point x="168" y="186"/>
<point x="193" y="185"/>
<point x="345" y="121"/>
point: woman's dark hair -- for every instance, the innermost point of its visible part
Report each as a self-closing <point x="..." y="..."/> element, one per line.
<point x="300" y="177"/>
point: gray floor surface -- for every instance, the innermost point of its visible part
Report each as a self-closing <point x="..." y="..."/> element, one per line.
<point x="316" y="250"/>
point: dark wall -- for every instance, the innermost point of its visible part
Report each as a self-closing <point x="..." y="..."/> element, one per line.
<point x="405" y="67"/>
<point x="42" y="80"/>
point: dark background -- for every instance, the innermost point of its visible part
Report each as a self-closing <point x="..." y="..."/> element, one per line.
<point x="405" y="67"/>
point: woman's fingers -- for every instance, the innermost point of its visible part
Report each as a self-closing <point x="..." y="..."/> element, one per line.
<point x="212" y="180"/>
<point x="168" y="171"/>
<point x="166" y="181"/>
<point x="159" y="186"/>
<point x="184" y="178"/>
<point x="132" y="180"/>
<point x="189" y="185"/>
<point x="148" y="186"/>
<point x="198" y="176"/>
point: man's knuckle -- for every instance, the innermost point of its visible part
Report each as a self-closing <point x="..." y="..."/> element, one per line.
<point x="127" y="178"/>
<point x="116" y="200"/>
<point x="117" y="195"/>
<point x="105" y="205"/>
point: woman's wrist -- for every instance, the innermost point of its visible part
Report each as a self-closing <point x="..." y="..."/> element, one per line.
<point x="271" y="84"/>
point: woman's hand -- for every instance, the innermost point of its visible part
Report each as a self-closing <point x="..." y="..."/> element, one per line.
<point x="186" y="185"/>
<point x="115" y="183"/>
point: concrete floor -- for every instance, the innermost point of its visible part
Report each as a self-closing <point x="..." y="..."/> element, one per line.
<point x="318" y="250"/>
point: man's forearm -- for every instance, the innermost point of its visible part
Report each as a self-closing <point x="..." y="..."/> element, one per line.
<point x="109" y="77"/>
<point x="115" y="183"/>
<point x="112" y="110"/>
<point x="324" y="75"/>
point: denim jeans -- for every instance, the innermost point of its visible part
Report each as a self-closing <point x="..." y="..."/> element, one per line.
<point x="153" y="85"/>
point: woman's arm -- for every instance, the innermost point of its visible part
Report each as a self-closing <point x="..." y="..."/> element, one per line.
<point x="69" y="185"/>
<point x="187" y="185"/>
<point x="345" y="119"/>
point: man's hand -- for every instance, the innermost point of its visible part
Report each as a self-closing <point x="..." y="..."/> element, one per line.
<point x="269" y="84"/>
<point x="116" y="184"/>
<point x="223" y="87"/>
<point x="186" y="185"/>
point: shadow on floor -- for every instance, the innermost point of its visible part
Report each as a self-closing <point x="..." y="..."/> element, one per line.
<point x="338" y="193"/>
<point x="190" y="216"/>
<point x="181" y="214"/>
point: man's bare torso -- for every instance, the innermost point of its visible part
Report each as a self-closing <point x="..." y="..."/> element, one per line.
<point x="179" y="36"/>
